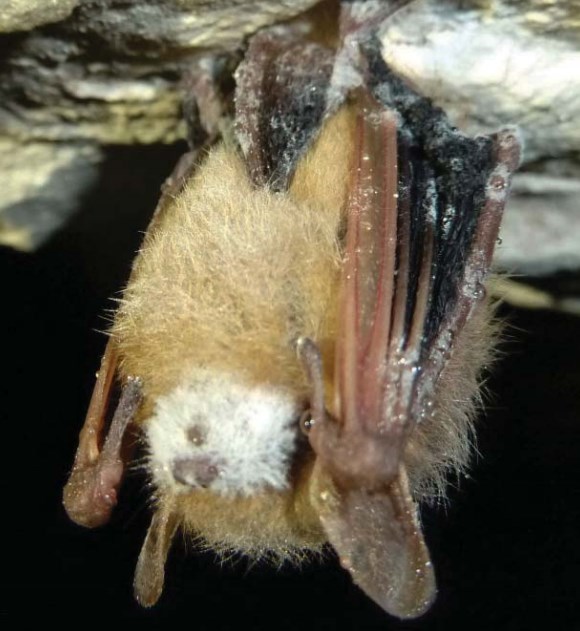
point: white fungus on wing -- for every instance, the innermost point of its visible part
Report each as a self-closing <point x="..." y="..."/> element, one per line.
<point x="213" y="431"/>
<point x="497" y="183"/>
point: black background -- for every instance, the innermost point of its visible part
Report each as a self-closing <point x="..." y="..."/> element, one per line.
<point x="506" y="549"/>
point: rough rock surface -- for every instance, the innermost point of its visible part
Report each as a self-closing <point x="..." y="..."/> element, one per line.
<point x="503" y="62"/>
<point x="24" y="15"/>
<point x="489" y="68"/>
<point x="110" y="72"/>
<point x="107" y="74"/>
<point x="42" y="186"/>
<point x="540" y="231"/>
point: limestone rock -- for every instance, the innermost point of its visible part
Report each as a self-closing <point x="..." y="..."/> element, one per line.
<point x="491" y="63"/>
<point x="540" y="232"/>
<point x="498" y="63"/>
<point x="109" y="71"/>
<point x="24" y="15"/>
<point x="42" y="186"/>
<point x="107" y="74"/>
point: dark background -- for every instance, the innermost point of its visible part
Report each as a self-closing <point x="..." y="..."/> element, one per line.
<point x="506" y="549"/>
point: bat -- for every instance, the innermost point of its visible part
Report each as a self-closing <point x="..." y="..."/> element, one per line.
<point x="301" y="338"/>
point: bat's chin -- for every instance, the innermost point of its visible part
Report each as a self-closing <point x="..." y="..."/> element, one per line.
<point x="216" y="433"/>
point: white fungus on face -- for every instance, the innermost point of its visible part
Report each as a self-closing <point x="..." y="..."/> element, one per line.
<point x="214" y="432"/>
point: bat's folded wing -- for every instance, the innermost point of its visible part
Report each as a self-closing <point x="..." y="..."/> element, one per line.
<point x="90" y="494"/>
<point x="423" y="214"/>
<point x="281" y="89"/>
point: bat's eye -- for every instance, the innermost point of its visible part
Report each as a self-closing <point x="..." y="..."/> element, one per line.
<point x="196" y="436"/>
<point x="306" y="422"/>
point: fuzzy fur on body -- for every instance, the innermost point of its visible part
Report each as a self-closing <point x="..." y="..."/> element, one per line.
<point x="229" y="277"/>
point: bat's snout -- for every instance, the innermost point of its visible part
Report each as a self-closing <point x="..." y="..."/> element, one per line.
<point x="196" y="471"/>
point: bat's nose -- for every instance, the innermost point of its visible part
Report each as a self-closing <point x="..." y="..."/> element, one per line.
<point x="196" y="471"/>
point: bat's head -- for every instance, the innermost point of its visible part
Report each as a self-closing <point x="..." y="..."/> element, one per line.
<point x="216" y="432"/>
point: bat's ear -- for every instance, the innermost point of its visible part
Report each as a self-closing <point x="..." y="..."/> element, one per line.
<point x="150" y="570"/>
<point x="379" y="541"/>
<point x="91" y="491"/>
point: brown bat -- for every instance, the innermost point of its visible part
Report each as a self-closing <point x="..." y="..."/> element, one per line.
<point x="302" y="335"/>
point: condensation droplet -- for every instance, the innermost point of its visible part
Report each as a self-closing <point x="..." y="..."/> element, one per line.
<point x="306" y="422"/>
<point x="498" y="183"/>
<point x="480" y="292"/>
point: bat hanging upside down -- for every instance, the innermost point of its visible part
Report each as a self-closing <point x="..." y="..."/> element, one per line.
<point x="301" y="337"/>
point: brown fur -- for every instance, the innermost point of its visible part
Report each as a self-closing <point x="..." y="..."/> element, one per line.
<point x="229" y="278"/>
<point x="443" y="441"/>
